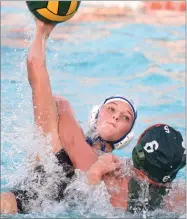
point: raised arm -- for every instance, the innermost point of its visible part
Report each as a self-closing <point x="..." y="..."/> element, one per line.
<point x="45" y="113"/>
<point x="45" y="110"/>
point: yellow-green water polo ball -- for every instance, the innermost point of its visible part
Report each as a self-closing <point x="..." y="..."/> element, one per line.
<point x="53" y="11"/>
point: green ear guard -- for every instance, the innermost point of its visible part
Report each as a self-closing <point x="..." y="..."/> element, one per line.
<point x="138" y="156"/>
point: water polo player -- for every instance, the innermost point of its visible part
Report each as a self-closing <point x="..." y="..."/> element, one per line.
<point x="112" y="124"/>
<point x="81" y="154"/>
<point x="157" y="158"/>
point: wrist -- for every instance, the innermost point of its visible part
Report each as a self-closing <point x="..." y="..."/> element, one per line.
<point x="44" y="29"/>
<point x="94" y="175"/>
<point x="41" y="34"/>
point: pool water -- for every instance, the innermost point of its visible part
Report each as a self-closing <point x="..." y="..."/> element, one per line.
<point x="94" y="61"/>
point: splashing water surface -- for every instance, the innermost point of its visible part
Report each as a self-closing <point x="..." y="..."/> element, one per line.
<point x="90" y="62"/>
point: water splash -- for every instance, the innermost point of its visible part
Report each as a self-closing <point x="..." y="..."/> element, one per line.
<point x="20" y="143"/>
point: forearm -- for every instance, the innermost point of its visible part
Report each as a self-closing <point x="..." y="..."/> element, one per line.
<point x="117" y="186"/>
<point x="118" y="189"/>
<point x="36" y="62"/>
<point x="43" y="103"/>
<point x="37" y="50"/>
<point x="40" y="84"/>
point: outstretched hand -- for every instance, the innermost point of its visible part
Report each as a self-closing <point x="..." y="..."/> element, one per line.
<point x="106" y="163"/>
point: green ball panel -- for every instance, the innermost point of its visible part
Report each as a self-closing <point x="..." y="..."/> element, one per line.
<point x="78" y="4"/>
<point x="34" y="5"/>
<point x="63" y="7"/>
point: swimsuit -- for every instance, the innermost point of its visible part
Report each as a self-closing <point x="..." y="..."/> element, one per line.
<point x="25" y="197"/>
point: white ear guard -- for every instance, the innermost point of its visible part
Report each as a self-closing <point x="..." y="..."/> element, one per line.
<point x="93" y="116"/>
<point x="92" y="122"/>
<point x="124" y="142"/>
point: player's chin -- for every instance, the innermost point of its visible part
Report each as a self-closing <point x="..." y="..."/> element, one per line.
<point x="107" y="133"/>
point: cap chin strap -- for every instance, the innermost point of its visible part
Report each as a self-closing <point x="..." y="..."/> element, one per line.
<point x="91" y="142"/>
<point x="115" y="145"/>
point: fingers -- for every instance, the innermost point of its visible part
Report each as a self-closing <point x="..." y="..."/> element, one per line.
<point x="113" y="165"/>
<point x="116" y="165"/>
<point x="116" y="160"/>
<point x="109" y="158"/>
<point x="109" y="163"/>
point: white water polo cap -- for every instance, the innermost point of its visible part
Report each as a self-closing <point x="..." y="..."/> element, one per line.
<point x="124" y="140"/>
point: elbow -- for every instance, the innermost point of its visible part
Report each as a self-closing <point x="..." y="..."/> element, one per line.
<point x="60" y="99"/>
<point x="63" y="105"/>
